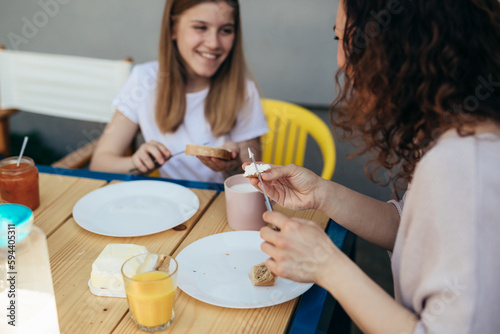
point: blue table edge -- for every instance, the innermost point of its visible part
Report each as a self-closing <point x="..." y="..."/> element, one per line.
<point x="126" y="177"/>
<point x="309" y="310"/>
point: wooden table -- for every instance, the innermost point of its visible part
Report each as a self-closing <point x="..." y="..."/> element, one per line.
<point x="72" y="251"/>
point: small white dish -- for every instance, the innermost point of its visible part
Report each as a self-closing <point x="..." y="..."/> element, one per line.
<point x="106" y="292"/>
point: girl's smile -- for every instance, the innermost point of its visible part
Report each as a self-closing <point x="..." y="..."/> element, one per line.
<point x="204" y="36"/>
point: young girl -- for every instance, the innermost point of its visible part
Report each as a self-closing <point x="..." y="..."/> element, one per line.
<point x="422" y="90"/>
<point x="197" y="93"/>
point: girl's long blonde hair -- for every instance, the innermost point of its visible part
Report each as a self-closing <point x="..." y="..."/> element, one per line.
<point x="227" y="88"/>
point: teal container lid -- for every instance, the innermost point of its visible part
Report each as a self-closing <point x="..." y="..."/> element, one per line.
<point x="16" y="221"/>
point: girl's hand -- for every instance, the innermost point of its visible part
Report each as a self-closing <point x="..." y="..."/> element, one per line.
<point x="291" y="186"/>
<point x="301" y="251"/>
<point x="148" y="153"/>
<point x="220" y="165"/>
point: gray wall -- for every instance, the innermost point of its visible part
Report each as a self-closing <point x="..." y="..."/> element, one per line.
<point x="289" y="43"/>
<point x="289" y="47"/>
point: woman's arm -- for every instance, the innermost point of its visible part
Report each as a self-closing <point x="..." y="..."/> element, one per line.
<point x="303" y="252"/>
<point x="373" y="220"/>
<point x="298" y="188"/>
<point x="366" y="303"/>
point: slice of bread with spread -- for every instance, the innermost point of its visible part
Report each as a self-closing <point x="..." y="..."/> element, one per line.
<point x="260" y="275"/>
<point x="208" y="151"/>
<point x="251" y="170"/>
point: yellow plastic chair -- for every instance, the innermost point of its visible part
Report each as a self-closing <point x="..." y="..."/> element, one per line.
<point x="289" y="128"/>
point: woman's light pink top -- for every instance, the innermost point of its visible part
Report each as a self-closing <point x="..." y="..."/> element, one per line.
<point x="446" y="259"/>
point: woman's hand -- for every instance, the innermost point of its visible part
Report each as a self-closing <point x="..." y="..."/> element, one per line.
<point x="291" y="186"/>
<point x="150" y="156"/>
<point x="301" y="251"/>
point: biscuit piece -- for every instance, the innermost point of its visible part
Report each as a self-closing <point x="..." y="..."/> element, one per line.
<point x="261" y="276"/>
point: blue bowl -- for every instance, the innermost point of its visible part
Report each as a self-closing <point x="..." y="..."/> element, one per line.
<point x="16" y="221"/>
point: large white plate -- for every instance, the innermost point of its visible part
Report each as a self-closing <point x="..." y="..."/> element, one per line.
<point x="215" y="270"/>
<point x="135" y="208"/>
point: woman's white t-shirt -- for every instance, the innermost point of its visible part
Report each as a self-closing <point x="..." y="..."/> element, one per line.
<point x="137" y="98"/>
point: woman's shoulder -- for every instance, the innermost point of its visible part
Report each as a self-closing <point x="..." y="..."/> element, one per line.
<point x="450" y="144"/>
<point x="456" y="154"/>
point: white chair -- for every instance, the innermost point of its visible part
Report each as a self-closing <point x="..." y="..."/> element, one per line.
<point x="71" y="87"/>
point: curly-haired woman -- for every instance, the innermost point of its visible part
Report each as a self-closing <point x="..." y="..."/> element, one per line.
<point x="421" y="93"/>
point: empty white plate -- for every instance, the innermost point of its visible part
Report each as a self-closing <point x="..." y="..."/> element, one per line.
<point x="135" y="208"/>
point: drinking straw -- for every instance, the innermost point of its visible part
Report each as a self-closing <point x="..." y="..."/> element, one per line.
<point x="22" y="150"/>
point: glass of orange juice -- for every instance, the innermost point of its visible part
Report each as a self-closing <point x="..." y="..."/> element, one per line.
<point x="150" y="284"/>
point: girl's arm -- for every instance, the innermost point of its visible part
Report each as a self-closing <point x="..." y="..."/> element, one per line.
<point x="109" y="155"/>
<point x="242" y="148"/>
<point x="254" y="145"/>
<point x="239" y="155"/>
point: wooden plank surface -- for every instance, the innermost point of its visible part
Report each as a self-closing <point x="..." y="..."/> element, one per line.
<point x="72" y="251"/>
<point x="58" y="196"/>
<point x="193" y="316"/>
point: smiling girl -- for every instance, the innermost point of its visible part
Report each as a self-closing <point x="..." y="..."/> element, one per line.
<point x="198" y="92"/>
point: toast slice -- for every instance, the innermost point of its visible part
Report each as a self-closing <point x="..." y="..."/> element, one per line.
<point x="261" y="276"/>
<point x="208" y="151"/>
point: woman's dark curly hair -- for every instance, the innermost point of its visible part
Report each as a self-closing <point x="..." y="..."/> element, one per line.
<point x="414" y="69"/>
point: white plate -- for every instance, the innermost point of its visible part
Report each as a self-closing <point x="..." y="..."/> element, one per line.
<point x="135" y="208"/>
<point x="215" y="270"/>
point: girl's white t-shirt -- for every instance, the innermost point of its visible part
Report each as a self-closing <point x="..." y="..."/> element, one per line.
<point x="136" y="100"/>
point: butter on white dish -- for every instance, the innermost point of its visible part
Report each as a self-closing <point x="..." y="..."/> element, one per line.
<point x="251" y="171"/>
<point x="141" y="264"/>
<point x="106" y="269"/>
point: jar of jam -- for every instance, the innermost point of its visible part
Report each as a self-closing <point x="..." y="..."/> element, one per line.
<point x="19" y="184"/>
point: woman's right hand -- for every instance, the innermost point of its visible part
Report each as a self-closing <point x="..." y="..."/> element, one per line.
<point x="291" y="186"/>
<point x="149" y="156"/>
